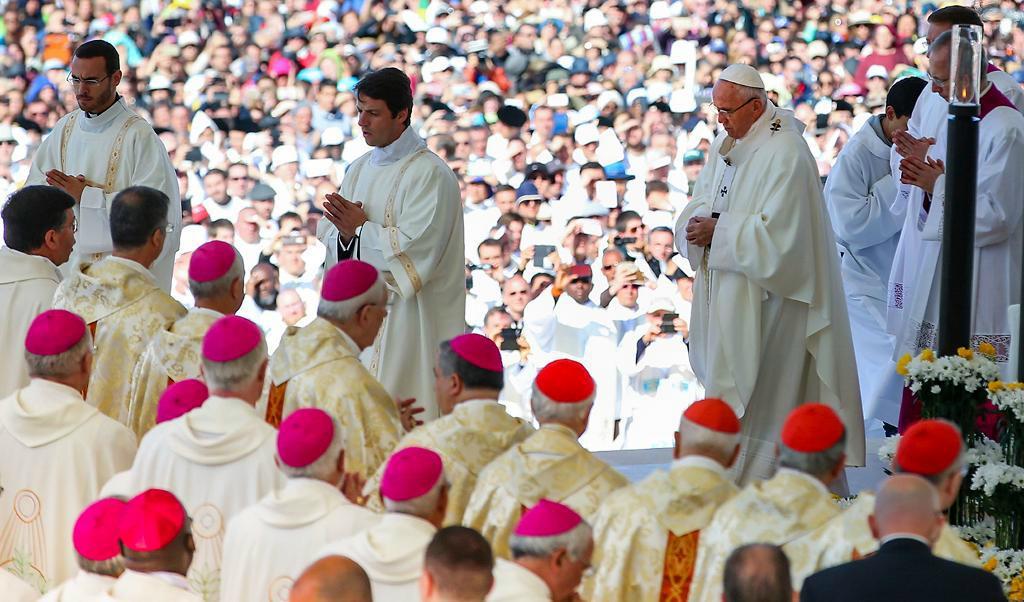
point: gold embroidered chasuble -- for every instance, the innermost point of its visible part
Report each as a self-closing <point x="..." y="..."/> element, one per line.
<point x="124" y="307"/>
<point x="474" y="434"/>
<point x="550" y="464"/>
<point x="646" y="535"/>
<point x="318" y="366"/>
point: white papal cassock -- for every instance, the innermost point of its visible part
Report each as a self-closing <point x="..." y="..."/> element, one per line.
<point x="391" y="553"/>
<point x="414" y="236"/>
<point x="83" y="587"/>
<point x="514" y="583"/>
<point x="56" y="451"/>
<point x="27" y="284"/>
<point x="861" y="194"/>
<point x="113" y="150"/>
<point x="914" y="283"/>
<point x="269" y="544"/>
<point x="769" y="329"/>
<point x="217" y="459"/>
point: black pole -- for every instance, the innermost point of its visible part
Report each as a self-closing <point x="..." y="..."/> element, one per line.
<point x="957" y="289"/>
<point x="1020" y="334"/>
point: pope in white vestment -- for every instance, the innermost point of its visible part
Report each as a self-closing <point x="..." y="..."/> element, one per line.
<point x="414" y="236"/>
<point x="27" y="284"/>
<point x="113" y="150"/>
<point x="769" y="328"/>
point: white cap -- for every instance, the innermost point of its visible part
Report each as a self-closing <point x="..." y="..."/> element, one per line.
<point x="332" y="136"/>
<point x="192" y="237"/>
<point x="610" y="97"/>
<point x="635" y="94"/>
<point x="438" y="35"/>
<point x="594" y="18"/>
<point x="743" y="75"/>
<point x="283" y="155"/>
<point x="878" y="71"/>
<point x="661" y="304"/>
<point x="158" y="81"/>
<point x="189" y="38"/>
<point x="586" y="134"/>
<point x="659" y="9"/>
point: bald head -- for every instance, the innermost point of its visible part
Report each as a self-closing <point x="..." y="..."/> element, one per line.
<point x="757" y="572"/>
<point x="907" y="504"/>
<point x="332" y="579"/>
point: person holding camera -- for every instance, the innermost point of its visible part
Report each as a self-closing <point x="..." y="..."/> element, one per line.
<point x="520" y="365"/>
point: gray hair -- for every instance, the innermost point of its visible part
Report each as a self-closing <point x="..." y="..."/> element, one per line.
<point x="574" y="542"/>
<point x="422" y="506"/>
<point x="700" y="439"/>
<point x="343" y="311"/>
<point x="816" y="464"/>
<point x="60" y="365"/>
<point x="231" y="376"/>
<point x="546" y="410"/>
<point x="323" y="466"/>
<point x="221" y="286"/>
<point x="112" y="567"/>
<point x="938" y="479"/>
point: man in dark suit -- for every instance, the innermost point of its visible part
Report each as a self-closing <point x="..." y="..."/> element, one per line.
<point x="907" y="521"/>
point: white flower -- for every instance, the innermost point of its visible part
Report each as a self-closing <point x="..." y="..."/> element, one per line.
<point x="991" y="475"/>
<point x="985" y="451"/>
<point x="887" y="451"/>
<point x="936" y="389"/>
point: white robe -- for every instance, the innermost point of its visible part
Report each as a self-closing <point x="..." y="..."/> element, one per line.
<point x="861" y="194"/>
<point x="16" y="590"/>
<point x="270" y="543"/>
<point x="218" y="459"/>
<point x="391" y="553"/>
<point x="915" y="281"/>
<point x="27" y="284"/>
<point x="415" y="237"/>
<point x="515" y="583"/>
<point x="769" y="329"/>
<point x="132" y="586"/>
<point x="56" y="451"/>
<point x="83" y="587"/>
<point x="112" y="154"/>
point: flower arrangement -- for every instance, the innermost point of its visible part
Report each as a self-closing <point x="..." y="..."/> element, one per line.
<point x="952" y="387"/>
<point x="1008" y="566"/>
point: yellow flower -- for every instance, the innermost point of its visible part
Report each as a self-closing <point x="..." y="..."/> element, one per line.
<point x="965" y="353"/>
<point x="1015" y="386"/>
<point x="996" y="385"/>
<point x="1016" y="588"/>
<point x="927" y="355"/>
<point x="987" y="349"/>
<point x="901" y="366"/>
<point x="990" y="564"/>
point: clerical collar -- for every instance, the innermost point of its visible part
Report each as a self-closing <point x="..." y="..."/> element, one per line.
<point x="913" y="536"/>
<point x="772" y="120"/>
<point x="406" y="144"/>
<point x="88" y="115"/>
<point x="803" y="475"/>
<point x="697" y="461"/>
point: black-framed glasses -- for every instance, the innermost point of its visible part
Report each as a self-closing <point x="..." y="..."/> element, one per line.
<point x="730" y="112"/>
<point x="90" y="82"/>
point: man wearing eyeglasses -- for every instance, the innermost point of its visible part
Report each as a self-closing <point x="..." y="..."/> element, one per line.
<point x="768" y="326"/>
<point x="101" y="149"/>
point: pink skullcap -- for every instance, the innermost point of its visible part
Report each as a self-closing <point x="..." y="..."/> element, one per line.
<point x="348" y="279"/>
<point x="181" y="398"/>
<point x="565" y="381"/>
<point x="479" y="351"/>
<point x="230" y="338"/>
<point x="54" y="331"/>
<point x="211" y="261"/>
<point x="304" y="436"/>
<point x="95" y="533"/>
<point x="547" y="519"/>
<point x="410" y="473"/>
<point x="151" y="520"/>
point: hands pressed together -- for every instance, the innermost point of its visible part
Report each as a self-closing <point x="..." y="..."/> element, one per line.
<point x="344" y="214"/>
<point x="917" y="168"/>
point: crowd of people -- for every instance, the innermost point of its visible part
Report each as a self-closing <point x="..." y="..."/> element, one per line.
<point x="336" y="300"/>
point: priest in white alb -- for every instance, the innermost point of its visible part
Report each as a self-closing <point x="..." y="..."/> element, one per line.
<point x="768" y="328"/>
<point x="646" y="535"/>
<point x="473" y="429"/>
<point x="399" y="208"/>
<point x="217" y="459"/>
<point x="98" y="550"/>
<point x="269" y="543"/>
<point x="550" y="464"/>
<point x="785" y="507"/>
<point x="56" y="451"/>
<point x="415" y="491"/>
<point x="318" y="366"/>
<point x="99" y="150"/>
<point x="215" y="279"/>
<point x="119" y="298"/>
<point x="552" y="547"/>
<point x="39" y="233"/>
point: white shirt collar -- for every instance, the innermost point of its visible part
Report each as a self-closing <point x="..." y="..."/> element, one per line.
<point x="803" y="475"/>
<point x="406" y="144"/>
<point x="173" y="579"/>
<point x="914" y="536"/>
<point x="697" y="461"/>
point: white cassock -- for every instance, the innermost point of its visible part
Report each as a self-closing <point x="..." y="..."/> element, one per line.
<point x="514" y="583"/>
<point x="132" y="586"/>
<point x="83" y="587"/>
<point x="915" y="281"/>
<point x="217" y="459"/>
<point x="56" y="451"/>
<point x="414" y="236"/>
<point x="860" y="194"/>
<point x="270" y="543"/>
<point x="769" y="329"/>
<point x="113" y="150"/>
<point x="391" y="553"/>
<point x="27" y="284"/>
<point x="586" y="333"/>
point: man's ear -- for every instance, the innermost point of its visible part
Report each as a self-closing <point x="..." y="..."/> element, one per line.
<point x="341" y="462"/>
<point x="890" y="113"/>
<point x="873" y="525"/>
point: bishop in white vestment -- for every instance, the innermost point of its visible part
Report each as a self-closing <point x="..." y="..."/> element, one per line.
<point x="769" y="328"/>
<point x="409" y="226"/>
<point x="98" y="547"/>
<point x="113" y="148"/>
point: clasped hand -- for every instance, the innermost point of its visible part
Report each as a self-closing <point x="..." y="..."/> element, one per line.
<point x="344" y="214"/>
<point x="700" y="230"/>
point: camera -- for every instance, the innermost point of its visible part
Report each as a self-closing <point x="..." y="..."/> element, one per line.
<point x="668" y="323"/>
<point x="510" y="339"/>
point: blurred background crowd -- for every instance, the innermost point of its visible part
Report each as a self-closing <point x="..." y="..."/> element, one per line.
<point x="577" y="130"/>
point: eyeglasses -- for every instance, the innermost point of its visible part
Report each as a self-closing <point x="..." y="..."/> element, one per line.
<point x="635" y="229"/>
<point x="74" y="224"/>
<point x="938" y="82"/>
<point x="169" y="228"/>
<point x="91" y="82"/>
<point x="608" y="267"/>
<point x="515" y="293"/>
<point x="8" y="142"/>
<point x="730" y="112"/>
